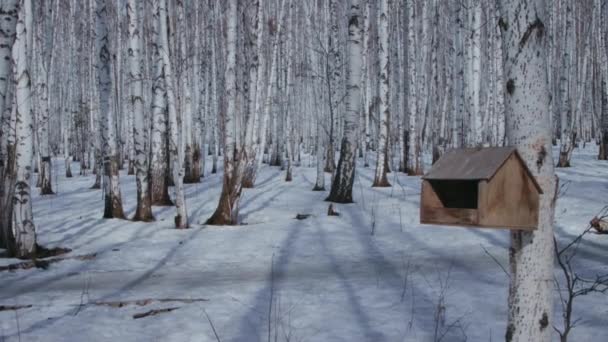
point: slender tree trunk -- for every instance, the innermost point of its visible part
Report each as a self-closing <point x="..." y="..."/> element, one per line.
<point x="136" y="66"/>
<point x="176" y="149"/>
<point x="111" y="189"/>
<point x="529" y="129"/>
<point x="159" y="165"/>
<point x="342" y="186"/>
<point x="380" y="179"/>
<point x="226" y="212"/>
<point x="8" y="22"/>
<point x="23" y="217"/>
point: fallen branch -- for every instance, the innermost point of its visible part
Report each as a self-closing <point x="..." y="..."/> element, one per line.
<point x="147" y="301"/>
<point x="153" y="312"/>
<point x="14" y="307"/>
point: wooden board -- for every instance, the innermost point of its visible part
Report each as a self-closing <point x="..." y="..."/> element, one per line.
<point x="509" y="199"/>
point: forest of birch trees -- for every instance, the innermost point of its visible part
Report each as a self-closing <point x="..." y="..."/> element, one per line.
<point x="160" y="88"/>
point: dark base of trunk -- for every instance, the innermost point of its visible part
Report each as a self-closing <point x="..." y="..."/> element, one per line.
<point x="41" y="252"/>
<point x="318" y="188"/>
<point x="192" y="179"/>
<point x="97" y="184"/>
<point x="414" y="172"/>
<point x="381" y="183"/>
<point x="248" y="183"/>
<point x="163" y="202"/>
<point x="113" y="208"/>
<point x="221" y="216"/>
<point x="68" y="173"/>
<point x="603" y="153"/>
<point x="143" y="214"/>
<point x="131" y="171"/>
<point x="288" y="176"/>
<point x="180" y="223"/>
<point x="46" y="189"/>
<point x="563" y="161"/>
<point x="340" y="198"/>
<point x="249" y="177"/>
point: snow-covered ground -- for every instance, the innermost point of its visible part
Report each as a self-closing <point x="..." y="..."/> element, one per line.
<point x="278" y="278"/>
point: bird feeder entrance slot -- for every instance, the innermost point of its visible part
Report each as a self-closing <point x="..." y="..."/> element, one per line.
<point x="480" y="187"/>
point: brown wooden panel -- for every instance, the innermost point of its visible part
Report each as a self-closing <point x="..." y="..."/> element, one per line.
<point x="450" y="216"/>
<point x="429" y="197"/>
<point x="510" y="198"/>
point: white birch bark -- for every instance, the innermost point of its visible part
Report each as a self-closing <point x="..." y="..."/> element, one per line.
<point x="342" y="185"/>
<point x="380" y="179"/>
<point x="136" y="66"/>
<point x="111" y="185"/>
<point x="413" y="160"/>
<point x="8" y="23"/>
<point x="191" y="173"/>
<point x="24" y="229"/>
<point x="528" y="128"/>
<point x="567" y="115"/>
<point x="159" y="159"/>
<point x="176" y="149"/>
<point x="226" y="212"/>
<point x="474" y="79"/>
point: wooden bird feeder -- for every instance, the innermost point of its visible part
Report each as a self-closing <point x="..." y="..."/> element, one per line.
<point x="481" y="187"/>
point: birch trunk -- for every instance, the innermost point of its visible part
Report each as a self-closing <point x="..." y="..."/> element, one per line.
<point x="226" y="212"/>
<point x="136" y="66"/>
<point x="23" y="217"/>
<point x="111" y="185"/>
<point x="42" y="78"/>
<point x="8" y="22"/>
<point x="529" y="129"/>
<point x="176" y="149"/>
<point x="159" y="158"/>
<point x="567" y="115"/>
<point x="380" y="179"/>
<point x="192" y="172"/>
<point x="342" y="186"/>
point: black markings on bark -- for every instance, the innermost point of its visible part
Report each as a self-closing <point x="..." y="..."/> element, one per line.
<point x="542" y="154"/>
<point x="510" y="86"/>
<point x="502" y="23"/>
<point x="544" y="321"/>
<point x="536" y="25"/>
<point x="509" y="334"/>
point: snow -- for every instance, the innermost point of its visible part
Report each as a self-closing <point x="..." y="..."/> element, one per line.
<point x="329" y="278"/>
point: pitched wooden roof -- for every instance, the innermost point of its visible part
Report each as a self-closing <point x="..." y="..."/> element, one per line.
<point x="474" y="164"/>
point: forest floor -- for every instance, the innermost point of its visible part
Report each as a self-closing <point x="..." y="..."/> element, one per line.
<point x="371" y="274"/>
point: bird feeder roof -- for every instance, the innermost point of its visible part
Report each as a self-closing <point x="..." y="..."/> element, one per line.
<point x="474" y="164"/>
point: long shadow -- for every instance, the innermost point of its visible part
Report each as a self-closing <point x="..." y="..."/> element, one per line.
<point x="79" y="268"/>
<point x="52" y="320"/>
<point x="363" y="319"/>
<point x="263" y="296"/>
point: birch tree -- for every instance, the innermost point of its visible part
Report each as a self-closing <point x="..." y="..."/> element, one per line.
<point x="380" y="179"/>
<point x="342" y="186"/>
<point x="42" y="58"/>
<point x="111" y="186"/>
<point x="159" y="159"/>
<point x="136" y="66"/>
<point x="8" y="23"/>
<point x="528" y="126"/>
<point x="226" y="212"/>
<point x="176" y="149"/>
<point x="23" y="218"/>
